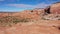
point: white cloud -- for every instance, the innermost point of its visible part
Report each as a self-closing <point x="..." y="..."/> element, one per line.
<point x="21" y="5"/>
<point x="40" y="5"/>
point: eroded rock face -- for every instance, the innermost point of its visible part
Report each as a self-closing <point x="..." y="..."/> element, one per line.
<point x="55" y="8"/>
<point x="52" y="12"/>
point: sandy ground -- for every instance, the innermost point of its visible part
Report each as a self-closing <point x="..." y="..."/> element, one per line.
<point x="36" y="27"/>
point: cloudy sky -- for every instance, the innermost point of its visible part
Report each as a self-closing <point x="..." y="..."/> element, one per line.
<point x="19" y="5"/>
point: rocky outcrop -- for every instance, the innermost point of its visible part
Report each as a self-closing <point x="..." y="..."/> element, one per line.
<point x="53" y="12"/>
<point x="54" y="8"/>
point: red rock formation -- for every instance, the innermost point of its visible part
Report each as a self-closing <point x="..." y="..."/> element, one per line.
<point x="32" y="14"/>
<point x="55" y="8"/>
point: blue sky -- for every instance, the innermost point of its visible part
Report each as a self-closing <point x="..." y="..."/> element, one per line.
<point x="19" y="5"/>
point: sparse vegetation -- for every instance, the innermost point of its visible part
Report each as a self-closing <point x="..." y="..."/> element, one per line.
<point x="8" y="20"/>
